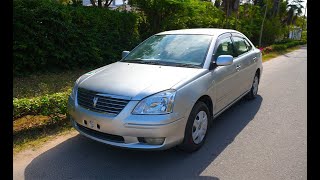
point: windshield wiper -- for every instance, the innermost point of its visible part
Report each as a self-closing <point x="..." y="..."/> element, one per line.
<point x="187" y="65"/>
<point x="157" y="62"/>
<point x="133" y="60"/>
<point x="143" y="61"/>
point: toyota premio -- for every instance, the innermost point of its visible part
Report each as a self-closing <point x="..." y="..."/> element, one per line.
<point x="167" y="91"/>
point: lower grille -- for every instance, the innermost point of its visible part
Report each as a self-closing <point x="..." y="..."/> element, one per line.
<point x="101" y="135"/>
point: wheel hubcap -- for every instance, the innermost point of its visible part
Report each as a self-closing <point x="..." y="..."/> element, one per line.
<point x="255" y="85"/>
<point x="199" y="127"/>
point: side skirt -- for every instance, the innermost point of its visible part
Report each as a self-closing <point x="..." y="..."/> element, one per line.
<point x="230" y="104"/>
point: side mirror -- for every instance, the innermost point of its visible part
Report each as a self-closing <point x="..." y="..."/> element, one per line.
<point x="125" y="53"/>
<point x="224" y="60"/>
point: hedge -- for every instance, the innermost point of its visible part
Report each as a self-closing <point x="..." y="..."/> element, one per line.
<point x="48" y="105"/>
<point x="48" y="36"/>
<point x="283" y="45"/>
<point x="279" y="47"/>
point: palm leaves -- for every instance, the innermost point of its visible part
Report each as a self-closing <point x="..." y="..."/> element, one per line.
<point x="294" y="10"/>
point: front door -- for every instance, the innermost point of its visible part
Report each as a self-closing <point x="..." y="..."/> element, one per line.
<point x="224" y="76"/>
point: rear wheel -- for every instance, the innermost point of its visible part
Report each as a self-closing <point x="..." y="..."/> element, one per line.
<point x="254" y="88"/>
<point x="196" y="129"/>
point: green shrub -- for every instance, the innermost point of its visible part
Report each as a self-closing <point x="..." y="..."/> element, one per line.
<point x="287" y="43"/>
<point x="302" y="42"/>
<point x="48" y="36"/>
<point x="48" y="105"/>
<point x="292" y="44"/>
<point x="267" y="50"/>
<point x="304" y="36"/>
<point x="279" y="47"/>
<point x="284" y="41"/>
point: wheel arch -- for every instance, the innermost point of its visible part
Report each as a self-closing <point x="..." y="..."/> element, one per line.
<point x="208" y="101"/>
<point x="259" y="73"/>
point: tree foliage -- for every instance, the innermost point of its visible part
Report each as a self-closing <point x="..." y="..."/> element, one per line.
<point x="160" y="15"/>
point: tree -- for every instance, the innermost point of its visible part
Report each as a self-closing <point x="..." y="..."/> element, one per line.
<point x="71" y="2"/>
<point x="258" y="3"/>
<point x="275" y="8"/>
<point x="294" y="10"/>
<point x="230" y="6"/>
<point x="101" y="3"/>
<point x="264" y="17"/>
<point x="217" y="3"/>
<point x="156" y="12"/>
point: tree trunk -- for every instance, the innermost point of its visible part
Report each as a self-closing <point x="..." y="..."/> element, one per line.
<point x="279" y="2"/>
<point x="99" y="3"/>
<point x="236" y="5"/>
<point x="237" y="17"/>
<point x="275" y="8"/>
<point x="261" y="30"/>
<point x="227" y="14"/>
<point x="93" y="2"/>
<point x="108" y="3"/>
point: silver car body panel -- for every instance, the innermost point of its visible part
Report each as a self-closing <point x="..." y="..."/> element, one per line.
<point x="137" y="80"/>
<point x="223" y="84"/>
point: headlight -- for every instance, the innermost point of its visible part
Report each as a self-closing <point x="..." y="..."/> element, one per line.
<point x="160" y="103"/>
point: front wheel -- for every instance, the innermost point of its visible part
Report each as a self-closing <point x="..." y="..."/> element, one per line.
<point x="254" y="88"/>
<point x="196" y="129"/>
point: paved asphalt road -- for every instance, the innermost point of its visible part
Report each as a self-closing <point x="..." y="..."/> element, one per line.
<point x="261" y="139"/>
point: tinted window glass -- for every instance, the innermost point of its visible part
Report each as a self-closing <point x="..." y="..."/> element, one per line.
<point x="248" y="44"/>
<point x="224" y="48"/>
<point x="240" y="45"/>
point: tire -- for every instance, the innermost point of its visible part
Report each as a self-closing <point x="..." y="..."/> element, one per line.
<point x="192" y="142"/>
<point x="252" y="94"/>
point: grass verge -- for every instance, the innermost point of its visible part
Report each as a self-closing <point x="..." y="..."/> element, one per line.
<point x="267" y="57"/>
<point x="42" y="84"/>
<point x="30" y="132"/>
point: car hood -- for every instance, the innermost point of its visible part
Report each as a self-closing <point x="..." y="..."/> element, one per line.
<point x="136" y="81"/>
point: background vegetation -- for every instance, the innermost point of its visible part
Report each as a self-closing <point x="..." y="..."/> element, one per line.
<point x="55" y="36"/>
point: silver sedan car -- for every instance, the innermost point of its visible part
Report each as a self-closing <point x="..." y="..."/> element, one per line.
<point x="167" y="90"/>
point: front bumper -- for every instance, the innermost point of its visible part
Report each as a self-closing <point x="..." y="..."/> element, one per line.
<point x="128" y="127"/>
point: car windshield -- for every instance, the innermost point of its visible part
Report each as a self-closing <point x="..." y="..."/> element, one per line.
<point x="172" y="50"/>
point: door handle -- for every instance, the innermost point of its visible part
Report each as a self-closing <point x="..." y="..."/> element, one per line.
<point x="254" y="59"/>
<point x="238" y="67"/>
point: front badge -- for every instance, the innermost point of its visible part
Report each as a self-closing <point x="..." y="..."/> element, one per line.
<point x="95" y="100"/>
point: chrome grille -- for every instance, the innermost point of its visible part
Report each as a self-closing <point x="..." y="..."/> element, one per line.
<point x="104" y="103"/>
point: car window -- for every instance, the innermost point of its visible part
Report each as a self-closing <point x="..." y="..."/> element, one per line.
<point x="225" y="47"/>
<point x="240" y="45"/>
<point x="248" y="44"/>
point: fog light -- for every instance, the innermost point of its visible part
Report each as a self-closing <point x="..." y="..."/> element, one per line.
<point x="154" y="141"/>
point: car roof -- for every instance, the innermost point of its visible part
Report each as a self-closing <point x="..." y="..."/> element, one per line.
<point x="207" y="31"/>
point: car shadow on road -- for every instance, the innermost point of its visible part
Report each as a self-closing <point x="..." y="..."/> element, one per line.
<point x="82" y="158"/>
